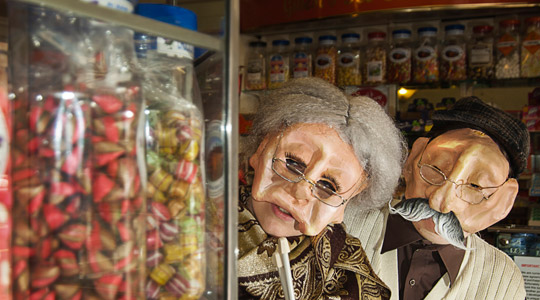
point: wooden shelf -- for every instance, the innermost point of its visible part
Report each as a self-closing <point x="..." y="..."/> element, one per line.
<point x="514" y="229"/>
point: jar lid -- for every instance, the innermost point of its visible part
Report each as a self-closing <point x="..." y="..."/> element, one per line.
<point x="401" y="32"/>
<point x="327" y="37"/>
<point x="509" y="23"/>
<point x="170" y="14"/>
<point x="280" y="43"/>
<point x="257" y="44"/>
<point x="454" y="27"/>
<point x="376" y="35"/>
<point x="122" y="5"/>
<point x="303" y="40"/>
<point x="427" y="31"/>
<point x="532" y="20"/>
<point x="482" y="29"/>
<point x="350" y="36"/>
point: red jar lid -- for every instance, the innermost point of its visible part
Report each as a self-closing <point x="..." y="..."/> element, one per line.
<point x="482" y="29"/>
<point x="376" y="34"/>
<point x="532" y="20"/>
<point x="509" y="23"/>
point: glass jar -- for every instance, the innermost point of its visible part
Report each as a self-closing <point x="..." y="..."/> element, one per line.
<point x="426" y="56"/>
<point x="454" y="54"/>
<point x="278" y="64"/>
<point x="507" y="45"/>
<point x="348" y="63"/>
<point x="175" y="197"/>
<point x="480" y="53"/>
<point x="399" y="57"/>
<point x="375" y="62"/>
<point x="78" y="171"/>
<point x="302" y="57"/>
<point x="256" y="66"/>
<point x="325" y="58"/>
<point x="530" y="50"/>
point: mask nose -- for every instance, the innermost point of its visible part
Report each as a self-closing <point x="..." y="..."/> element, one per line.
<point x="301" y="191"/>
<point x="445" y="199"/>
<point x="441" y="196"/>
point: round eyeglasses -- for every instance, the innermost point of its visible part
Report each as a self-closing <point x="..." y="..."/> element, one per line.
<point x="468" y="192"/>
<point x="322" y="190"/>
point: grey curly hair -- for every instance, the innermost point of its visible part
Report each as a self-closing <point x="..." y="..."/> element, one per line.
<point x="360" y="121"/>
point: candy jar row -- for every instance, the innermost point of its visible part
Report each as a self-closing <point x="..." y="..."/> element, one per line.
<point x="484" y="55"/>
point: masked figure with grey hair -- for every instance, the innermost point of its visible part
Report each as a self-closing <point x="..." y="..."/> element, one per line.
<point x="314" y="153"/>
<point x="459" y="180"/>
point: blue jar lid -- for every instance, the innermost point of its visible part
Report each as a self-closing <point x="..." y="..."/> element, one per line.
<point x="454" y="27"/>
<point x="427" y="29"/>
<point x="173" y="15"/>
<point x="401" y="31"/>
<point x="280" y="43"/>
<point x="257" y="44"/>
<point x="303" y="40"/>
<point x="327" y="37"/>
<point x="350" y="35"/>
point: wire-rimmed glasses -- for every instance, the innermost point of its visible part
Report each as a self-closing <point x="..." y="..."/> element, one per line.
<point x="468" y="192"/>
<point x="289" y="170"/>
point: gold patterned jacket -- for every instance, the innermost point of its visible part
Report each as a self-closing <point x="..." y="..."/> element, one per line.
<point x="331" y="265"/>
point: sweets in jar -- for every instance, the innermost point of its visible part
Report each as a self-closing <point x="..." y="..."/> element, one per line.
<point x="480" y="53"/>
<point x="507" y="45"/>
<point x="175" y="193"/>
<point x="348" y="62"/>
<point x="375" y="62"/>
<point x="453" y="64"/>
<point x="426" y="56"/>
<point x="530" y="49"/>
<point x="256" y="67"/>
<point x="302" y="58"/>
<point x="278" y="64"/>
<point x="325" y="58"/>
<point x="399" y="57"/>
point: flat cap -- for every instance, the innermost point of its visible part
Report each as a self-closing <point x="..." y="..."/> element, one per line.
<point x="506" y="130"/>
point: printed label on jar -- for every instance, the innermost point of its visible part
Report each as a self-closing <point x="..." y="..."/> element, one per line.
<point x="506" y="44"/>
<point x="481" y="54"/>
<point x="174" y="48"/>
<point x="532" y="45"/>
<point x="278" y="69"/>
<point x="452" y="53"/>
<point x="400" y="55"/>
<point x="346" y="60"/>
<point x="324" y="61"/>
<point x="254" y="70"/>
<point x="374" y="70"/>
<point x="301" y="65"/>
<point x="425" y="53"/>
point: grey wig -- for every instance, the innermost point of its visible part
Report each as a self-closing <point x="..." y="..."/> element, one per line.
<point x="360" y="121"/>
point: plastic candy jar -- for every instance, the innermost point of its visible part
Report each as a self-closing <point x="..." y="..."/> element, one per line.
<point x="507" y="45"/>
<point x="480" y="53"/>
<point x="454" y="54"/>
<point x="376" y="54"/>
<point x="399" y="57"/>
<point x="302" y="57"/>
<point x="426" y="56"/>
<point x="530" y="49"/>
<point x="348" y="63"/>
<point x="325" y="59"/>
<point x="278" y="64"/>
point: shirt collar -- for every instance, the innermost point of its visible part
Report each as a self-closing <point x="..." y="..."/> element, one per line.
<point x="400" y="233"/>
